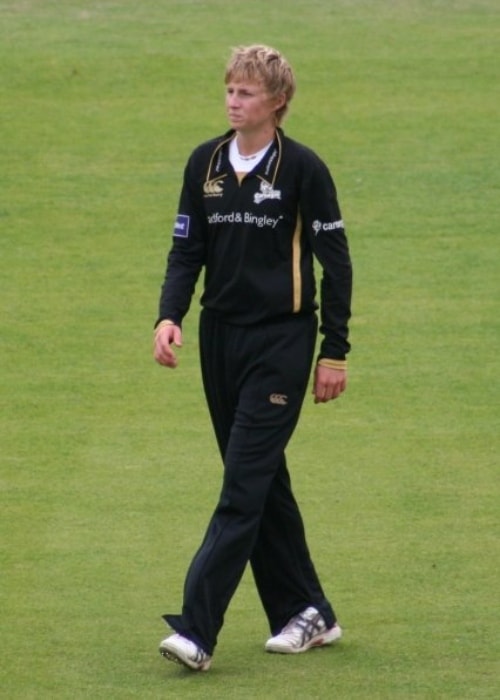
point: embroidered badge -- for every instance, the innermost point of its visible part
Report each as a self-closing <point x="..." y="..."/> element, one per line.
<point x="266" y="192"/>
<point x="213" y="188"/>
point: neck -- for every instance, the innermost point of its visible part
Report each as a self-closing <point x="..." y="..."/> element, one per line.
<point x="250" y="143"/>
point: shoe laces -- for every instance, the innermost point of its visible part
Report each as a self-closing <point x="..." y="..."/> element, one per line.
<point x="304" y="626"/>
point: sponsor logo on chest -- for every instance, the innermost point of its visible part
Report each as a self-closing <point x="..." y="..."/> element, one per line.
<point x="214" y="188"/>
<point x="238" y="217"/>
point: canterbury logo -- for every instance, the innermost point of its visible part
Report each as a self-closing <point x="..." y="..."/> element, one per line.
<point x="213" y="188"/>
<point x="279" y="399"/>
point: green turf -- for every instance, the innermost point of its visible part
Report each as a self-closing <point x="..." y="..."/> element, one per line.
<point x="109" y="468"/>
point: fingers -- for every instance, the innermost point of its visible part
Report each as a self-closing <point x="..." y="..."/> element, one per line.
<point x="328" y="384"/>
<point x="164" y="338"/>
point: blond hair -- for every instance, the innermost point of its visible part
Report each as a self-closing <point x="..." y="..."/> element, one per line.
<point x="265" y="65"/>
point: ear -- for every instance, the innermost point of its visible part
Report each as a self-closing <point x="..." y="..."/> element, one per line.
<point x="280" y="101"/>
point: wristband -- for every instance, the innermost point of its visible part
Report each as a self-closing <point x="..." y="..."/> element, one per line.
<point x="163" y="324"/>
<point x="333" y="364"/>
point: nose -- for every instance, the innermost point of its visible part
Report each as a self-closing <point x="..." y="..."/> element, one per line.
<point x="232" y="100"/>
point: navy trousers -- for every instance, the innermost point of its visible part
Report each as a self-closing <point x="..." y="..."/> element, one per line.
<point x="255" y="379"/>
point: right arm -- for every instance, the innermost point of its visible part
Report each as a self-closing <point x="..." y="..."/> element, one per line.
<point x="184" y="263"/>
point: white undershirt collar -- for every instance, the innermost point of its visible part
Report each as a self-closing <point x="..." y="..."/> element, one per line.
<point x="244" y="164"/>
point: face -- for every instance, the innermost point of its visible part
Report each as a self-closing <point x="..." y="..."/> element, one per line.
<point x="249" y="106"/>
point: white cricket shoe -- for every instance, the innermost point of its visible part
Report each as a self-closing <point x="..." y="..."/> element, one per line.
<point x="304" y="631"/>
<point x="183" y="651"/>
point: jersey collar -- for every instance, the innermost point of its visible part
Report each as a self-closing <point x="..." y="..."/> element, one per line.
<point x="267" y="168"/>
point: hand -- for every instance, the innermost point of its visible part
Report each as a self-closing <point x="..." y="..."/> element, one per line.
<point x="165" y="336"/>
<point x="328" y="383"/>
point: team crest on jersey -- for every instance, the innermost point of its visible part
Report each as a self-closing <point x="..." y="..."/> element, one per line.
<point x="214" y="188"/>
<point x="266" y="192"/>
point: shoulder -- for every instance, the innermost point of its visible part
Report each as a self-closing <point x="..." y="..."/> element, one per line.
<point x="302" y="154"/>
<point x="206" y="149"/>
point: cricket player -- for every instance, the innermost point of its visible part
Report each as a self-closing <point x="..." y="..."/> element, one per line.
<point x="256" y="210"/>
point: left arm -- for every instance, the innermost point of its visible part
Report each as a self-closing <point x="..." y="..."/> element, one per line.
<point x="323" y="223"/>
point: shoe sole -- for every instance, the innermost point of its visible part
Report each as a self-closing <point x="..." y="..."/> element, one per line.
<point x="321" y="640"/>
<point x="171" y="655"/>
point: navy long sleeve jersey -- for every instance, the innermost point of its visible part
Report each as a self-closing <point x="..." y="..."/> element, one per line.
<point x="257" y="239"/>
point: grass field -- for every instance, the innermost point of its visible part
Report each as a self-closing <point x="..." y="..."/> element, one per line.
<point x="109" y="470"/>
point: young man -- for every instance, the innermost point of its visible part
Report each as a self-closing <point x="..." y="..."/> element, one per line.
<point x="255" y="209"/>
